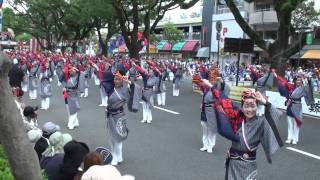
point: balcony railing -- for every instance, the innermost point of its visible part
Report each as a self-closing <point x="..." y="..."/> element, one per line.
<point x="263" y="17"/>
<point x="222" y="9"/>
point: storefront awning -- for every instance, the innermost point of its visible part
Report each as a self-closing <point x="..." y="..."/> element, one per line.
<point x="311" y="54"/>
<point x="178" y="46"/>
<point x="191" y="46"/>
<point x="203" y="52"/>
<point x="152" y="49"/>
<point x="161" y="44"/>
<point x="298" y="55"/>
<point x="167" y="47"/>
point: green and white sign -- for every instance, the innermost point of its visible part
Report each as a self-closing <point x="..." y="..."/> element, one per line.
<point x="309" y="39"/>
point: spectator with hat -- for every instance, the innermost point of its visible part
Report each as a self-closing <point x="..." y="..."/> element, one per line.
<point x="73" y="157"/>
<point x="47" y="130"/>
<point x="53" y="156"/>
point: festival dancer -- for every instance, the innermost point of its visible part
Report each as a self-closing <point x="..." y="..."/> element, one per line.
<point x="72" y="82"/>
<point x="116" y="118"/>
<point x="246" y="131"/>
<point x="34" y="70"/>
<point x="150" y="80"/>
<point x="45" y="84"/>
<point x="294" y="93"/>
<point x="262" y="81"/>
<point x="161" y="87"/>
<point x="208" y="120"/>
<point x="178" y="73"/>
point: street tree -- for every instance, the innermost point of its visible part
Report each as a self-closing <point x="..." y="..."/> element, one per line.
<point x="279" y="50"/>
<point x="172" y="34"/>
<point x="11" y="20"/>
<point x="305" y="16"/>
<point x="39" y="18"/>
<point x="104" y="17"/>
<point x="22" y="158"/>
<point x="55" y="20"/>
<point x="24" y="37"/>
<point x="145" y="14"/>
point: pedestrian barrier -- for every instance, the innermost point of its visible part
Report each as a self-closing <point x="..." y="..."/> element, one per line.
<point x="278" y="101"/>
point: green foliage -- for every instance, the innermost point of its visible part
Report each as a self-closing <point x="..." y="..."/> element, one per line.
<point x="154" y="38"/>
<point x="172" y="33"/>
<point x="305" y="15"/>
<point x="5" y="171"/>
<point x="24" y="37"/>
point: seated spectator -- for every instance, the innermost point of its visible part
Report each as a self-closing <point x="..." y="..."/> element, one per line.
<point x="53" y="156"/>
<point x="74" y="155"/>
<point x="41" y="145"/>
<point x="30" y="120"/>
<point x="104" y="172"/>
<point x="34" y="135"/>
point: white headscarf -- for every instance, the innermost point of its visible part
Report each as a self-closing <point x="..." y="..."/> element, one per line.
<point x="57" y="141"/>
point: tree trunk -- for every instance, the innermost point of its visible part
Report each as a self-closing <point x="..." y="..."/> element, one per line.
<point x="22" y="158"/>
<point x="74" y="47"/>
<point x="133" y="50"/>
<point x="277" y="51"/>
<point x="101" y="42"/>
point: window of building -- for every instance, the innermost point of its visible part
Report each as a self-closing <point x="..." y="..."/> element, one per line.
<point x="223" y="8"/>
<point x="263" y="6"/>
<point x="270" y="35"/>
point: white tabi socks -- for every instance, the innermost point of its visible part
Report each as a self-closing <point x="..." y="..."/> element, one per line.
<point x="58" y="82"/>
<point x="116" y="151"/>
<point x="73" y="121"/>
<point x="146" y="113"/>
<point x="293" y="131"/>
<point x="177" y="92"/>
<point x="173" y="90"/>
<point x="96" y="80"/>
<point x="45" y="103"/>
<point x="149" y="114"/>
<point x="104" y="99"/>
<point x="24" y="87"/>
<point x="159" y="99"/>
<point x="163" y="96"/>
<point x="86" y="92"/>
<point x="290" y="130"/>
<point x="208" y="138"/>
<point x="33" y="94"/>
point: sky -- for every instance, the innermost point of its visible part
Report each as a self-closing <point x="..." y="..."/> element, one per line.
<point x="196" y="8"/>
<point x="175" y="14"/>
<point x="317" y="4"/>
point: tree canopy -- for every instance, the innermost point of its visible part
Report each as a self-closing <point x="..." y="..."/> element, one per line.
<point x="280" y="50"/>
<point x="172" y="33"/>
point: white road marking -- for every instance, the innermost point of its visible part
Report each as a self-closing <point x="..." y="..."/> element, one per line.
<point x="166" y="110"/>
<point x="303" y="152"/>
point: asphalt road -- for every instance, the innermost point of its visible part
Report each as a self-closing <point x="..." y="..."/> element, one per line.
<point x="168" y="149"/>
